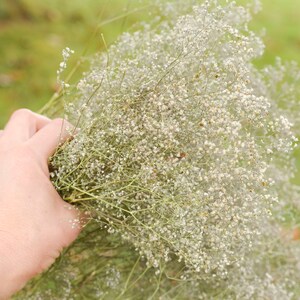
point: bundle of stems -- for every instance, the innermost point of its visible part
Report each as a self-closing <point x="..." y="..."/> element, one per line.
<point x="183" y="161"/>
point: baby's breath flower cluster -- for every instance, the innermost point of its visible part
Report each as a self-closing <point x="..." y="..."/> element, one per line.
<point x="184" y="152"/>
<point x="66" y="53"/>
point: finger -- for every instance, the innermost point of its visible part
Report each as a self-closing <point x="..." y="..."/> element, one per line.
<point x="50" y="137"/>
<point x="23" y="124"/>
<point x="71" y="222"/>
<point x="1" y="132"/>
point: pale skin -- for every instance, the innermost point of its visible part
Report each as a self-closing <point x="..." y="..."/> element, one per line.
<point x="35" y="223"/>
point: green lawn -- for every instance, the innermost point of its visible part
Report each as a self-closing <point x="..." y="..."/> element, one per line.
<point x="33" y="33"/>
<point x="281" y="19"/>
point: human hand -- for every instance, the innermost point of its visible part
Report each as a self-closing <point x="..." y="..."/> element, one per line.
<point x="35" y="223"/>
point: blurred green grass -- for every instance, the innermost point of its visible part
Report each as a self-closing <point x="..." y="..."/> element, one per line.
<point x="281" y="19"/>
<point x="33" y="33"/>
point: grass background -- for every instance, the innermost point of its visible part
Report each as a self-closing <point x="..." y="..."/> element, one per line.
<point x="33" y="33"/>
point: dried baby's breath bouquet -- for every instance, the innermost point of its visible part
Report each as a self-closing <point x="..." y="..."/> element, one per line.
<point x="184" y="162"/>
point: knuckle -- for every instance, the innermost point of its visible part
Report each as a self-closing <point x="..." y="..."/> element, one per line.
<point x="21" y="113"/>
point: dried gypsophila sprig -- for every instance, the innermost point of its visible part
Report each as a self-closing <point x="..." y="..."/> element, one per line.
<point x="181" y="144"/>
<point x="66" y="54"/>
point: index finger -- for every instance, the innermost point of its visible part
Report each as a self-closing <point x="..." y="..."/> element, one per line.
<point x="49" y="138"/>
<point x="23" y="124"/>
